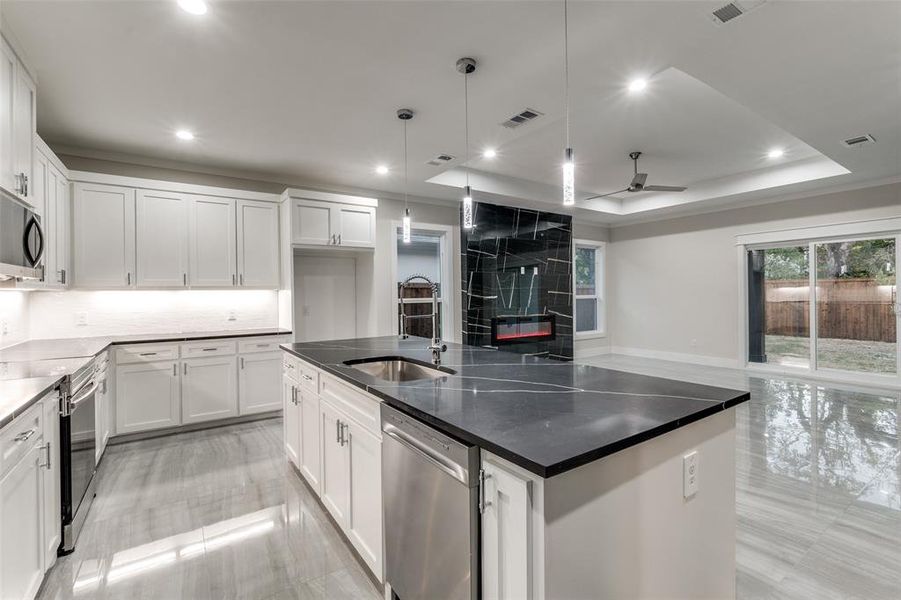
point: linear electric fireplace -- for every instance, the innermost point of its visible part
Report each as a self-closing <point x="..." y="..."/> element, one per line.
<point x="521" y="329"/>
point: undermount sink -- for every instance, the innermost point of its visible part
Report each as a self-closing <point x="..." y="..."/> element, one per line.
<point x="398" y="369"/>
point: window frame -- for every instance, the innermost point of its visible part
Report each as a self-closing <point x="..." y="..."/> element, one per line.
<point x="600" y="289"/>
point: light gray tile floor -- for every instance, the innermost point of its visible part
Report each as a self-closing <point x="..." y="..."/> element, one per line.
<point x="216" y="514"/>
<point x="219" y="514"/>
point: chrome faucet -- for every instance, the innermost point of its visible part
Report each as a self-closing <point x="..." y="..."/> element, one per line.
<point x="436" y="346"/>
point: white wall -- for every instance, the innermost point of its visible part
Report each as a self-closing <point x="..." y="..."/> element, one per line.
<point x="53" y="314"/>
<point x="674" y="285"/>
<point x="14" y="312"/>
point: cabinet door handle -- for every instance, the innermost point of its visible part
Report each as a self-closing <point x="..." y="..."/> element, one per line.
<point x="483" y="477"/>
<point x="241" y="279"/>
<point x="337" y="431"/>
<point x="61" y="276"/>
<point x="344" y="428"/>
<point x="242" y="362"/>
<point x="46" y="447"/>
<point x="186" y="368"/>
<point x="128" y="278"/>
<point x="184" y="279"/>
<point x="174" y="370"/>
<point x="24" y="436"/>
<point x="233" y="279"/>
<point x="339" y="239"/>
<point x="25" y="183"/>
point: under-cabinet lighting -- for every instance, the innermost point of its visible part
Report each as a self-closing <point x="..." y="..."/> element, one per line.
<point x="381" y="170"/>
<point x="184" y="134"/>
<point x="776" y="153"/>
<point x="638" y="85"/>
<point x="489" y="153"/>
<point x="195" y="7"/>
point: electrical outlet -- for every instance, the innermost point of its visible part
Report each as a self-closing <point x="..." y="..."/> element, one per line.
<point x="693" y="343"/>
<point x="81" y="319"/>
<point x="690" y="474"/>
<point x="232" y="315"/>
<point x="4" y="326"/>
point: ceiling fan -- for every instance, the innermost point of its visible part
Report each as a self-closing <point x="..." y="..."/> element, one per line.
<point x="637" y="183"/>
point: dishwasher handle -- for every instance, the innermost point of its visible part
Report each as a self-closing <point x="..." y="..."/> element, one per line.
<point x="437" y="460"/>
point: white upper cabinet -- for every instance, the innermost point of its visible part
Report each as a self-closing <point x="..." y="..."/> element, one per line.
<point x="258" y="258"/>
<point x="59" y="229"/>
<point x="331" y="222"/>
<point x="104" y="236"/>
<point x="356" y="226"/>
<point x="312" y="223"/>
<point x="17" y="125"/>
<point x="8" y="62"/>
<point x="212" y="238"/>
<point x="162" y="239"/>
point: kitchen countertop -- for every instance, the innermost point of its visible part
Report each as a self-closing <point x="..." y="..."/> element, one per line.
<point x="547" y="416"/>
<point x="47" y="349"/>
<point x="18" y="395"/>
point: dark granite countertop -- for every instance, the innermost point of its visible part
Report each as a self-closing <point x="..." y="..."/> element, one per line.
<point x="546" y="416"/>
<point x="48" y="349"/>
<point x="18" y="395"/>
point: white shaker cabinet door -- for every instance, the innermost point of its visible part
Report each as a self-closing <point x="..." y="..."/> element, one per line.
<point x="313" y="223"/>
<point x="335" y="493"/>
<point x="60" y="227"/>
<point x="258" y="258"/>
<point x="506" y="543"/>
<point x="162" y="239"/>
<point x="365" y="522"/>
<point x="21" y="514"/>
<point x="213" y="237"/>
<point x="311" y="448"/>
<point x="104" y="236"/>
<point x="356" y="226"/>
<point x="291" y="418"/>
<point x="147" y="396"/>
<point x="8" y="62"/>
<point x="258" y="377"/>
<point x="51" y="474"/>
<point x="209" y="389"/>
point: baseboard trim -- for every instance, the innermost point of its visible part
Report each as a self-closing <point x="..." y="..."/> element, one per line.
<point x="155" y="433"/>
<point x="591" y="352"/>
<point x="696" y="359"/>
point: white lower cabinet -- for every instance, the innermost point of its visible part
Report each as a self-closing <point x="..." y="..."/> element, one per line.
<point x="21" y="507"/>
<point x="208" y="389"/>
<point x="291" y="419"/>
<point x="334" y="433"/>
<point x="258" y="382"/>
<point x="335" y="493"/>
<point x="506" y="534"/>
<point x="365" y="517"/>
<point x="310" y="447"/>
<point x="51" y="473"/>
<point x="147" y="396"/>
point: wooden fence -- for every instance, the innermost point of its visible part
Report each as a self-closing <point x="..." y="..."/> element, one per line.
<point x="855" y="309"/>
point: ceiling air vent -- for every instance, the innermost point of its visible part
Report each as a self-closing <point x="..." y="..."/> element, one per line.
<point x="440" y="159"/>
<point x="733" y="10"/>
<point x="859" y="141"/>
<point x="521" y="118"/>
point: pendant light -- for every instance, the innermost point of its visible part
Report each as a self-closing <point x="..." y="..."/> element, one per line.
<point x="405" y="114"/>
<point x="466" y="66"/>
<point x="569" y="167"/>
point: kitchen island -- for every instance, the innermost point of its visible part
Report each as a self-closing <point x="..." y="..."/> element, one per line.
<point x="600" y="483"/>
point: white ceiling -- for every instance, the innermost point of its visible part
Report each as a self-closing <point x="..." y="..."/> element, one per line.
<point x="307" y="91"/>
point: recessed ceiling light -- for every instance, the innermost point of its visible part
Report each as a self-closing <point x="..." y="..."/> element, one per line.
<point x="195" y="7"/>
<point x="381" y="170"/>
<point x="775" y="153"/>
<point x="638" y="85"/>
<point x="184" y="134"/>
<point x="489" y="153"/>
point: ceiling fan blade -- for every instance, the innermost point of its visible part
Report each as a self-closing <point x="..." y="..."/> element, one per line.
<point x="609" y="194"/>
<point x="664" y="188"/>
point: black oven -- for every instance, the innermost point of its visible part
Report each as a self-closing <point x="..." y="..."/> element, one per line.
<point x="77" y="452"/>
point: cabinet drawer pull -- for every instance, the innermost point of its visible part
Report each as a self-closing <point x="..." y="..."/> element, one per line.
<point x="263" y="345"/>
<point x="307" y="377"/>
<point x="148" y="354"/>
<point x="24" y="436"/>
<point x="209" y="349"/>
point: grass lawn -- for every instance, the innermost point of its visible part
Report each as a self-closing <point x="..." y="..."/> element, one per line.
<point x="848" y="355"/>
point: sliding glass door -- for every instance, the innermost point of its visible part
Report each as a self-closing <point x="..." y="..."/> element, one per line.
<point x="825" y="305"/>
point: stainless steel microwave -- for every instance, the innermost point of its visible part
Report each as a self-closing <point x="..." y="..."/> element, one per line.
<point x="21" y="241"/>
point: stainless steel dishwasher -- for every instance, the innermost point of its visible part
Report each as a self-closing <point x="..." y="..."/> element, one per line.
<point x="431" y="494"/>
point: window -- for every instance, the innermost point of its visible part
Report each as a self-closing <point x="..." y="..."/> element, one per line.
<point x="424" y="255"/>
<point x="588" y="287"/>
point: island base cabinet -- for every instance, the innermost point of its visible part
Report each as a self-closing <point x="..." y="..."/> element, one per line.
<point x="506" y="529"/>
<point x="21" y="544"/>
<point x="51" y="474"/>
<point x="291" y="420"/>
<point x="335" y="493"/>
<point x="310" y="464"/>
<point x="208" y="389"/>
<point x="258" y="377"/>
<point x="147" y="396"/>
<point x="365" y="517"/>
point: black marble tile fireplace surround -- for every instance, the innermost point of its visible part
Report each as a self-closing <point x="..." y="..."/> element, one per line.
<point x="518" y="262"/>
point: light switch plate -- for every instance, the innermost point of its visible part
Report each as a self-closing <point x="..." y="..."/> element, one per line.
<point x="81" y="318"/>
<point x="690" y="474"/>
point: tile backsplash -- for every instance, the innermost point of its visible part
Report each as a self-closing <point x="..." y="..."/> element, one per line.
<point x="14" y="317"/>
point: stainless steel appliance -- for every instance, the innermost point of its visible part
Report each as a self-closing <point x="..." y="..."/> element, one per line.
<point x="21" y="241"/>
<point x="77" y="448"/>
<point x="430" y="487"/>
